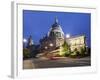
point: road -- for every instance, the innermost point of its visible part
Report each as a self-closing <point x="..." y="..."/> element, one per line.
<point x="61" y="62"/>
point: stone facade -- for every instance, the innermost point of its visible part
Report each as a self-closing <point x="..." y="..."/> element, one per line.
<point x="30" y="42"/>
<point x="76" y="42"/>
<point x="55" y="38"/>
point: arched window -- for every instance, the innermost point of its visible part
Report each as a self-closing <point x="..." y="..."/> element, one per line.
<point x="58" y="34"/>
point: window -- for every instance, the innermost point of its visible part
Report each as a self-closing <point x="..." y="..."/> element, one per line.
<point x="58" y="34"/>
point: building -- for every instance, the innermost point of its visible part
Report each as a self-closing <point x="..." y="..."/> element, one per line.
<point x="30" y="42"/>
<point x="76" y="42"/>
<point x="56" y="37"/>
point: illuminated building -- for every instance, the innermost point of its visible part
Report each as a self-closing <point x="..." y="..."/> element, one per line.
<point x="56" y="37"/>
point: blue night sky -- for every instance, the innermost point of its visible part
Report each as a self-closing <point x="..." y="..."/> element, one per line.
<point x="38" y="23"/>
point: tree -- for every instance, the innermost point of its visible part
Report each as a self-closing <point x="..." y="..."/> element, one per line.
<point x="26" y="53"/>
<point x="75" y="53"/>
<point x="78" y="52"/>
<point x="65" y="49"/>
<point x="82" y="51"/>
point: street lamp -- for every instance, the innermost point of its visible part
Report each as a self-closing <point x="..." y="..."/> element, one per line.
<point x="67" y="35"/>
<point x="46" y="47"/>
<point x="24" y="43"/>
<point x="25" y="40"/>
<point x="51" y="44"/>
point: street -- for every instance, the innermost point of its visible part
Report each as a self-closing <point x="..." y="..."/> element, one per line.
<point x="60" y="62"/>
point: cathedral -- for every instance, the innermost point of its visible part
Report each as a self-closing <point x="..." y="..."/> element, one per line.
<point x="56" y="38"/>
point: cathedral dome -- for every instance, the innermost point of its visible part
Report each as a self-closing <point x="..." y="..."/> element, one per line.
<point x="56" y="30"/>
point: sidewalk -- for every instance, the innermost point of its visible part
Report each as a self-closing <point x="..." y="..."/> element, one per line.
<point x="27" y="64"/>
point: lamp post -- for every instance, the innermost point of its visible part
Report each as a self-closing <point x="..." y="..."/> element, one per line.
<point x="50" y="44"/>
<point x="24" y="43"/>
<point x="67" y="35"/>
<point x="46" y="47"/>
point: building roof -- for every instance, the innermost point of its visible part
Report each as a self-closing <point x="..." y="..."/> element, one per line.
<point x="76" y="36"/>
<point x="56" y="27"/>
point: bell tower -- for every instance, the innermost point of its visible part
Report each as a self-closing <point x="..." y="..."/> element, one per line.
<point x="30" y="41"/>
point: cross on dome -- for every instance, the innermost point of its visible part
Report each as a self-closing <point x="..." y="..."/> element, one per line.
<point x="56" y="19"/>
